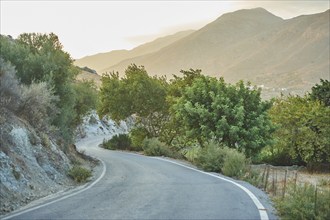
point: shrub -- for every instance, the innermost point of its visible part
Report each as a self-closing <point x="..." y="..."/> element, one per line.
<point x="118" y="142"/>
<point x="211" y="157"/>
<point x="137" y="136"/>
<point x="10" y="91"/>
<point x="38" y="104"/>
<point x="79" y="174"/>
<point x="302" y="202"/>
<point x="192" y="153"/>
<point x="153" y="147"/>
<point x="235" y="163"/>
<point x="218" y="158"/>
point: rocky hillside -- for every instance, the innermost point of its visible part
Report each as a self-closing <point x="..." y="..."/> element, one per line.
<point x="32" y="164"/>
<point x="276" y="54"/>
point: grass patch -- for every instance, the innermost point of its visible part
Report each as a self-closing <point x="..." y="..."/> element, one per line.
<point x="79" y="174"/>
<point x="304" y="202"/>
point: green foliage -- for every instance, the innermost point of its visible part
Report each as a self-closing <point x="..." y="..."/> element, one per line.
<point x="233" y="115"/>
<point x="173" y="130"/>
<point x="136" y="94"/>
<point x="38" y="105"/>
<point x="10" y="90"/>
<point x="191" y="154"/>
<point x="211" y="157"/>
<point x="137" y="136"/>
<point x="118" y="142"/>
<point x="301" y="203"/>
<point x="321" y="92"/>
<point x="218" y="158"/>
<point x="235" y="164"/>
<point x="39" y="58"/>
<point x="85" y="99"/>
<point x="302" y="130"/>
<point x="79" y="174"/>
<point x="153" y="147"/>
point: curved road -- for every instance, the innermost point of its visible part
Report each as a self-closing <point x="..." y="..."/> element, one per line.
<point x="140" y="187"/>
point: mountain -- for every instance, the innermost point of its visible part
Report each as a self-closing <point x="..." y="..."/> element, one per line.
<point x="103" y="60"/>
<point x="85" y="75"/>
<point x="250" y="44"/>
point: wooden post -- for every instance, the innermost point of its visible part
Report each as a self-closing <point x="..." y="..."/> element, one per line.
<point x="263" y="175"/>
<point x="284" y="185"/>
<point x="315" y="201"/>
<point x="266" y="180"/>
<point x="273" y="183"/>
<point x="295" y="180"/>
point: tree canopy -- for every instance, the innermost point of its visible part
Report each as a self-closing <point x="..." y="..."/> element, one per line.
<point x="303" y="130"/>
<point x="135" y="94"/>
<point x="233" y="115"/>
<point x="39" y="58"/>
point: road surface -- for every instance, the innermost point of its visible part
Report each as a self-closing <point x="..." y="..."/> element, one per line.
<point x="139" y="187"/>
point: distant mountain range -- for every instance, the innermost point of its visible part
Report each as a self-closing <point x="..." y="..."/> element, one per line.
<point x="249" y="44"/>
<point x="102" y="61"/>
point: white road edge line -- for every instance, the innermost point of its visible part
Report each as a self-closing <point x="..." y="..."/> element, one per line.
<point x="62" y="198"/>
<point x="262" y="210"/>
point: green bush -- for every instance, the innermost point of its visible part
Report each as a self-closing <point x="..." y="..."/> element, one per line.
<point x="211" y="157"/>
<point x="137" y="136"/>
<point x="191" y="154"/>
<point x="153" y="147"/>
<point x="218" y="158"/>
<point x="118" y="142"/>
<point x="301" y="203"/>
<point x="235" y="163"/>
<point x="79" y="174"/>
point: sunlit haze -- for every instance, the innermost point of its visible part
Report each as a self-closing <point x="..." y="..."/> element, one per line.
<point x="89" y="27"/>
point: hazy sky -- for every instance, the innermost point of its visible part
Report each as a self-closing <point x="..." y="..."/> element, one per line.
<point x="89" y="27"/>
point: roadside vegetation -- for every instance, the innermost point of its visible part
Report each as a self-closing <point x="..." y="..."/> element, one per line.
<point x="226" y="128"/>
<point x="215" y="125"/>
<point x="37" y="85"/>
<point x="79" y="174"/>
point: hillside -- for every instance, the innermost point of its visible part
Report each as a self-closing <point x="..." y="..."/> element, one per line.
<point x="103" y="60"/>
<point x="255" y="45"/>
<point x="85" y="75"/>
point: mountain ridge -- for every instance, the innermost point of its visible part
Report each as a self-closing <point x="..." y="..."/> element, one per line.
<point x="101" y="61"/>
<point x="249" y="44"/>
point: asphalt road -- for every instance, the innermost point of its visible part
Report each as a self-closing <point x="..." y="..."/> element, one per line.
<point x="139" y="187"/>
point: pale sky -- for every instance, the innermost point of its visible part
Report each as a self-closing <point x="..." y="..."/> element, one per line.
<point x="89" y="27"/>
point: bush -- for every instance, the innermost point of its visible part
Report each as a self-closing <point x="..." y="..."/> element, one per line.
<point x="211" y="157"/>
<point x="299" y="203"/>
<point x="79" y="174"/>
<point x="137" y="136"/>
<point x="217" y="158"/>
<point x="118" y="142"/>
<point x="38" y="104"/>
<point x="153" y="147"/>
<point x="235" y="163"/>
<point x="192" y="153"/>
<point x="10" y="91"/>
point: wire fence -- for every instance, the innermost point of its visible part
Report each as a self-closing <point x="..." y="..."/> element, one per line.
<point x="280" y="182"/>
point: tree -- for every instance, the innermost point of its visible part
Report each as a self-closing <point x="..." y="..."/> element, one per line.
<point x="136" y="94"/>
<point x="321" y="92"/>
<point x="233" y="115"/>
<point x="85" y="98"/>
<point x="40" y="58"/>
<point x="303" y="130"/>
